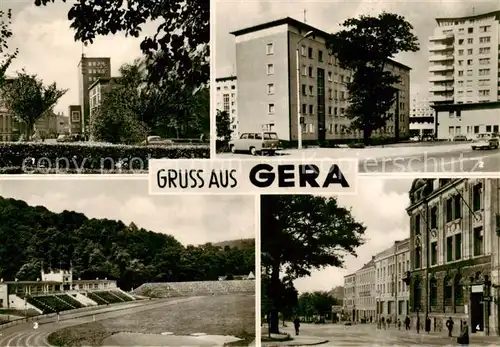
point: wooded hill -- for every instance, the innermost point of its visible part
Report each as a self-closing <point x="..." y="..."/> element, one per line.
<point x="32" y="236"/>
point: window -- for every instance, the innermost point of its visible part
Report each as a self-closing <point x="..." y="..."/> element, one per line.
<point x="484" y="92"/>
<point x="329" y="76"/>
<point x="458" y="246"/>
<point x="304" y="87"/>
<point x="417" y="224"/>
<point x="460" y="52"/>
<point x="434" y="253"/>
<point x="418" y="257"/>
<point x="330" y="59"/>
<point x="311" y="109"/>
<point x="470" y="51"/>
<point x="484" y="39"/>
<point x="461" y="41"/>
<point x="478" y="241"/>
<point x="460" y="72"/>
<point x="270" y="48"/>
<point x="270" y="88"/>
<point x="330" y="93"/>
<point x="449" y="248"/>
<point x="304" y="70"/>
<point x="477" y="195"/>
<point x="434" y="217"/>
<point x="469" y="72"/>
<point x="433" y="292"/>
<point x="330" y="111"/>
<point x="458" y="291"/>
<point x="484" y="61"/>
<point x="484" y="50"/>
<point x="469" y="61"/>
<point x="460" y="63"/>
<point x="470" y="41"/>
<point x="304" y="108"/>
<point x="270" y="69"/>
<point x="448" y="290"/>
<point x="311" y="90"/>
<point x="470" y="30"/>
<point x="271" y="108"/>
<point x="304" y="50"/>
<point x="484" y="72"/>
<point x="457" y="203"/>
<point x="320" y="56"/>
<point x="485" y="29"/>
<point x="310" y="71"/>
<point x="449" y="210"/>
<point x="310" y="52"/>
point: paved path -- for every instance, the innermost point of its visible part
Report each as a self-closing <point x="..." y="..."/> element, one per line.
<point x="395" y="159"/>
<point x="24" y="335"/>
<point x="367" y="334"/>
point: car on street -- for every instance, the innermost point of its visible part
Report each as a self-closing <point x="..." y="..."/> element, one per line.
<point x="415" y="138"/>
<point x="255" y="143"/>
<point x="485" y="141"/>
<point x="66" y="138"/>
<point x="157" y="140"/>
<point x="459" y="138"/>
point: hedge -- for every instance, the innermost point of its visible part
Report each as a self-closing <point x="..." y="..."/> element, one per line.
<point x="22" y="157"/>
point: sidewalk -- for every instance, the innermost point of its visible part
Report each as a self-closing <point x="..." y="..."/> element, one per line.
<point x="473" y="338"/>
<point x="299" y="340"/>
<point x="377" y="152"/>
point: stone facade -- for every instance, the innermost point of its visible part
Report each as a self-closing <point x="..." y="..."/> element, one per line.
<point x="453" y="241"/>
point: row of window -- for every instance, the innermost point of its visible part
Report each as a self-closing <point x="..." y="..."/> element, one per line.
<point x="470" y="51"/>
<point x="472" y="129"/>
<point x="470" y="40"/>
<point x="305" y="52"/>
<point x="390" y="288"/>
<point x="233" y="87"/>
<point x="482" y="72"/>
<point x="452" y="293"/>
<point x="309" y="128"/>
<point x="481" y="92"/>
<point x="482" y="61"/>
<point x="481" y="82"/>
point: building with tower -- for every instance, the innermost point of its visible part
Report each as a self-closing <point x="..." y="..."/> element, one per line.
<point x="90" y="69"/>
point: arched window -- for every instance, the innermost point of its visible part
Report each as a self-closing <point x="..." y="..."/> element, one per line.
<point x="433" y="292"/>
<point x="458" y="292"/>
<point x="448" y="290"/>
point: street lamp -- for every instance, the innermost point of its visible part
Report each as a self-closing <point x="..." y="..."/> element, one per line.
<point x="297" y="62"/>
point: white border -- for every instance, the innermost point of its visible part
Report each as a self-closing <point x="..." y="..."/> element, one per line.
<point x="258" y="330"/>
<point x="213" y="93"/>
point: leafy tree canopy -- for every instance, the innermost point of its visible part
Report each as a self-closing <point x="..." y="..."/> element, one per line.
<point x="315" y="303"/>
<point x="32" y="236"/>
<point x="28" y="98"/>
<point x="180" y="44"/>
<point x="364" y="46"/>
<point x="223" y="124"/>
<point x="6" y="58"/>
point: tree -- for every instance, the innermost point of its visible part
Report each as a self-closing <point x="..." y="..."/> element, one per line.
<point x="315" y="303"/>
<point x="181" y="42"/>
<point x="223" y="125"/>
<point x="29" y="99"/>
<point x="301" y="233"/>
<point x="365" y="47"/>
<point x="5" y="34"/>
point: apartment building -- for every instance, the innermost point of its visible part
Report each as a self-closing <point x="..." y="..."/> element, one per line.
<point x="90" y="70"/>
<point x="464" y="71"/>
<point x="392" y="293"/>
<point x="454" y="242"/>
<point x="97" y="90"/>
<point x="226" y="100"/>
<point x="422" y="117"/>
<point x="272" y="92"/>
<point x="365" y="300"/>
<point x="350" y="297"/>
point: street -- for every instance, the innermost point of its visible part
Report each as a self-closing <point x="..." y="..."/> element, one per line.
<point x="436" y="157"/>
<point x="368" y="334"/>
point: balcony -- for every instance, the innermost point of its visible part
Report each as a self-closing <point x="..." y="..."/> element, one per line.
<point x="440" y="68"/>
<point x="441" y="37"/>
<point x="441" y="57"/>
<point x="441" y="78"/>
<point x="438" y="48"/>
<point x="438" y="88"/>
<point x="441" y="98"/>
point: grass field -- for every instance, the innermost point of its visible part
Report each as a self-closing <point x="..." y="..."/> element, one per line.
<point x="214" y="315"/>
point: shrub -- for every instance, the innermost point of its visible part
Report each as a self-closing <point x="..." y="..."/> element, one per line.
<point x="19" y="157"/>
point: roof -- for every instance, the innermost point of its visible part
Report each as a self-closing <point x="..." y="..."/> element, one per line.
<point x="298" y="24"/>
<point x="371" y="263"/>
<point x="222" y="79"/>
<point x="102" y="80"/>
<point x="466" y="106"/>
<point x="31" y="282"/>
<point x="478" y="16"/>
<point x="86" y="281"/>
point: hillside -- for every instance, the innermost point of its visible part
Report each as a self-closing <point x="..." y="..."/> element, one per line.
<point x="241" y="243"/>
<point x="32" y="236"/>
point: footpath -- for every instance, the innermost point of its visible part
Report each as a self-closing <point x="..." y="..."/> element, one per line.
<point x="300" y="340"/>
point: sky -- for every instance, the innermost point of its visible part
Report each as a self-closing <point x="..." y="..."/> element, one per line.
<point x="326" y="15"/>
<point x="191" y="219"/>
<point x="380" y="206"/>
<point x="47" y="47"/>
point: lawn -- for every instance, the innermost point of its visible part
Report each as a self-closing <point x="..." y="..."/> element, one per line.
<point x="214" y="315"/>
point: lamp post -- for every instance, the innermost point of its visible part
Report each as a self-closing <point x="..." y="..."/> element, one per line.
<point x="297" y="62"/>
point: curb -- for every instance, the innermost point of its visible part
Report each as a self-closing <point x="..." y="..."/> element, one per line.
<point x="293" y="344"/>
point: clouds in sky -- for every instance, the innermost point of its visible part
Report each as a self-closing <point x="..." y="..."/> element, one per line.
<point x="381" y="206"/>
<point x="328" y="15"/>
<point x="191" y="219"/>
<point x="47" y="47"/>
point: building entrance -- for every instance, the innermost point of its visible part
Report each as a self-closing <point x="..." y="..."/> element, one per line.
<point x="476" y="312"/>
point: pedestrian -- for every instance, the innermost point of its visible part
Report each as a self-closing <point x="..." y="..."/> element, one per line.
<point x="418" y="325"/>
<point x="399" y="324"/>
<point x="449" y="325"/>
<point x="296" y="324"/>
<point x="383" y="322"/>
<point x="463" y="339"/>
<point x="428" y="324"/>
<point x="407" y="322"/>
<point x="371" y="317"/>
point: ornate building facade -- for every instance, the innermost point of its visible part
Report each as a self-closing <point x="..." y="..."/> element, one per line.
<point x="454" y="246"/>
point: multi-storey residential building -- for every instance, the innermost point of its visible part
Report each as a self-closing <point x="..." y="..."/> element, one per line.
<point x="338" y="293"/>
<point x="464" y="59"/>
<point x="90" y="69"/>
<point x="268" y="79"/>
<point x="75" y="119"/>
<point x="391" y="291"/>
<point x="226" y="100"/>
<point x="464" y="72"/>
<point x="350" y="297"/>
<point x="454" y="242"/>
<point x="421" y="116"/>
<point x="365" y="300"/>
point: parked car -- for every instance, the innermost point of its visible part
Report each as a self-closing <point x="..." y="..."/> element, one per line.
<point x="265" y="142"/>
<point x="415" y="138"/>
<point x="66" y="138"/>
<point x="485" y="141"/>
<point x="458" y="138"/>
<point x="157" y="140"/>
